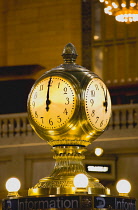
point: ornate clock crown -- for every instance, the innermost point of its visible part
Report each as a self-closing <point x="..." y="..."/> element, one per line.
<point x="69" y="53"/>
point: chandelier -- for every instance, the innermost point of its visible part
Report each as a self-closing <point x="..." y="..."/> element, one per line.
<point x="123" y="10"/>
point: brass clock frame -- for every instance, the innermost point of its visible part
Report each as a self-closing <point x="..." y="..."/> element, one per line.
<point x="46" y="133"/>
<point x="68" y="142"/>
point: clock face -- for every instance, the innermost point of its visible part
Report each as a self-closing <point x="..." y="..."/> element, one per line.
<point x="97" y="104"/>
<point x="52" y="102"/>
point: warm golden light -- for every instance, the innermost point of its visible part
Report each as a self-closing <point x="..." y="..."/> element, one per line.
<point x="123" y="187"/>
<point x="98" y="151"/>
<point x="12" y="186"/>
<point x="108" y="192"/>
<point x="80" y="181"/>
<point x="124" y="11"/>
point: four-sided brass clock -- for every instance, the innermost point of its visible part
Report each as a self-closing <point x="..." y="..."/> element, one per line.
<point x="69" y="104"/>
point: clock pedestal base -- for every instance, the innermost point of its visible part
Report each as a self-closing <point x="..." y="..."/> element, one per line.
<point x="61" y="181"/>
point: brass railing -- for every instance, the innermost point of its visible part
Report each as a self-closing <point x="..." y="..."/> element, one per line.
<point x="123" y="116"/>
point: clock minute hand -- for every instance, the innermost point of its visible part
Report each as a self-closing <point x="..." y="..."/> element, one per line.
<point x="47" y="98"/>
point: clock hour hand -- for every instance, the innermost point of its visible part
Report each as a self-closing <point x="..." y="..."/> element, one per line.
<point x="105" y="103"/>
<point x="47" y="98"/>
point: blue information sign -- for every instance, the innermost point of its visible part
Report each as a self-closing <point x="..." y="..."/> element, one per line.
<point x="36" y="203"/>
<point x="80" y="202"/>
<point x="116" y="203"/>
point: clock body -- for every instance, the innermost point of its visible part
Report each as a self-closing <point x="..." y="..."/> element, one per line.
<point x="69" y="105"/>
<point x="66" y="108"/>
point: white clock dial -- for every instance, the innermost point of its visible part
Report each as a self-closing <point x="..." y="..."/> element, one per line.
<point x="52" y="102"/>
<point x="97" y="104"/>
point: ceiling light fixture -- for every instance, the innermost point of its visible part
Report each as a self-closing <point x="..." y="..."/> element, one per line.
<point x="123" y="10"/>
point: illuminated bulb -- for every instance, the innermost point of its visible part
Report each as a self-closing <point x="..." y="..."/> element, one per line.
<point x="12" y="186"/>
<point x="96" y="37"/>
<point x="132" y="4"/>
<point x="109" y="7"/>
<point x="98" y="151"/>
<point x="123" y="5"/>
<point x="123" y="187"/>
<point x="114" y="5"/>
<point x="127" y="17"/>
<point x="106" y="10"/>
<point x="110" y="13"/>
<point x="80" y="181"/>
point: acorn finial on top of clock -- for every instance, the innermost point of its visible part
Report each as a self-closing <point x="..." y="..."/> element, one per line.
<point x="69" y="53"/>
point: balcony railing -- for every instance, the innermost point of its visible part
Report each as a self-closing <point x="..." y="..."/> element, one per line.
<point x="123" y="116"/>
<point x="15" y="125"/>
